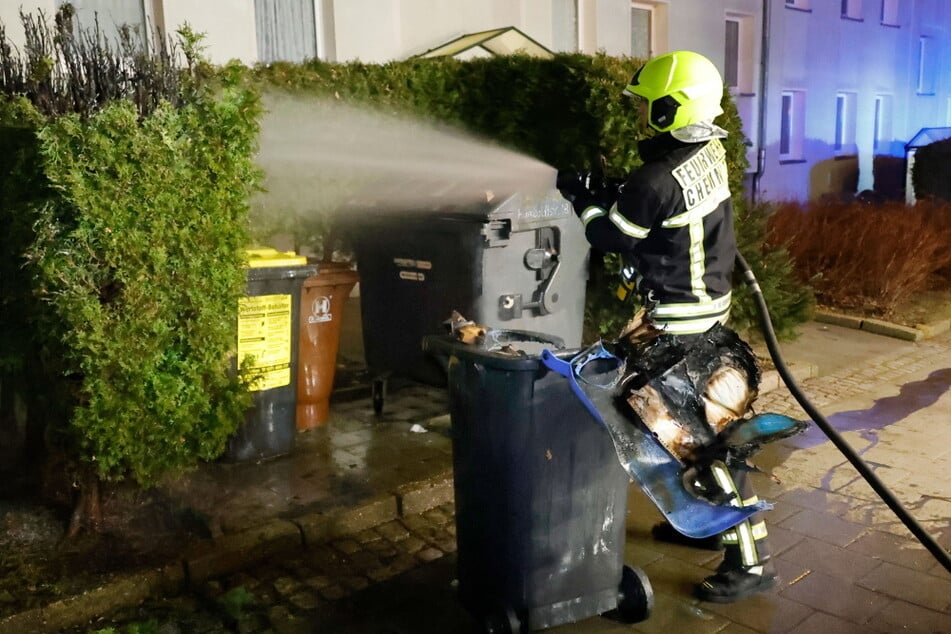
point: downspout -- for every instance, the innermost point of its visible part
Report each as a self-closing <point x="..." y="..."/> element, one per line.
<point x="764" y="82"/>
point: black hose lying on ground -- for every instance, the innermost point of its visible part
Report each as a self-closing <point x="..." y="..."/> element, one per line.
<point x="864" y="470"/>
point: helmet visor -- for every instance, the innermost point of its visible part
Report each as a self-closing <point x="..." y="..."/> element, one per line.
<point x="633" y="87"/>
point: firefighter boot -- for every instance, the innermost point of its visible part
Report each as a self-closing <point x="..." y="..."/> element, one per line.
<point x="735" y="580"/>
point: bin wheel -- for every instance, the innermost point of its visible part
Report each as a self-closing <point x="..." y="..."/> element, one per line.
<point x="501" y="621"/>
<point x="635" y="595"/>
<point x="378" y="392"/>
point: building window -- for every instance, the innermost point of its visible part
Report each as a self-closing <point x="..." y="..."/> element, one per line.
<point x="642" y="30"/>
<point x="648" y="29"/>
<point x="890" y="12"/>
<point x="731" y="61"/>
<point x="852" y="9"/>
<point x="882" y="123"/>
<point x="286" y="30"/>
<point x="926" y="66"/>
<point x="738" y="53"/>
<point x="839" y="121"/>
<point x="785" y="127"/>
<point x="792" y="125"/>
<point x="798" y="4"/>
<point x="845" y="123"/>
<point x="112" y="15"/>
<point x="565" y="25"/>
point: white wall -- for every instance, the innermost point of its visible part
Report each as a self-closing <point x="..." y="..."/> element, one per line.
<point x="10" y="15"/>
<point x="861" y="57"/>
<point x="613" y="26"/>
<point x="932" y="18"/>
<point x="367" y="31"/>
<point x="228" y="26"/>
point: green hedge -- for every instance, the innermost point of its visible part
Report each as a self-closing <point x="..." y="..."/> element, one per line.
<point x="124" y="224"/>
<point x="140" y="257"/>
<point x="568" y="112"/>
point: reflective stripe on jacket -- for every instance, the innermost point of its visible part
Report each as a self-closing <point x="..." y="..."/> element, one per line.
<point x="673" y="222"/>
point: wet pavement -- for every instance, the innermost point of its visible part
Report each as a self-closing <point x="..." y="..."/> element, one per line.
<point x="354" y="530"/>
<point x="354" y="458"/>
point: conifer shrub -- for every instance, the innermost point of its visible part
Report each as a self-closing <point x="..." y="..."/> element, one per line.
<point x="124" y="202"/>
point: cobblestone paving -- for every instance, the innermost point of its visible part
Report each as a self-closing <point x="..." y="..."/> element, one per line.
<point x="283" y="595"/>
<point x="855" y="381"/>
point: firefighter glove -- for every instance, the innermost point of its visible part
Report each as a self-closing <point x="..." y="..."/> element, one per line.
<point x="602" y="196"/>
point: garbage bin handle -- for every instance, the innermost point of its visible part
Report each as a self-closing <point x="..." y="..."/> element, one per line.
<point x="547" y="298"/>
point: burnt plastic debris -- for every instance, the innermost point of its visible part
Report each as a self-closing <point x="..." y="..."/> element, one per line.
<point x="705" y="387"/>
<point x="674" y="407"/>
<point x="690" y="391"/>
<point x="594" y="376"/>
<point x="540" y="496"/>
<point x="517" y="343"/>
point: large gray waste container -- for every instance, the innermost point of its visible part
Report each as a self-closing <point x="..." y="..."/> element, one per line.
<point x="516" y="263"/>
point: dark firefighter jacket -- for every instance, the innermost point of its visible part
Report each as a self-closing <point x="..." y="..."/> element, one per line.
<point x="673" y="221"/>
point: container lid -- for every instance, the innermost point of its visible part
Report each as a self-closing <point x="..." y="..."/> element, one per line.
<point x="267" y="257"/>
<point x="490" y="354"/>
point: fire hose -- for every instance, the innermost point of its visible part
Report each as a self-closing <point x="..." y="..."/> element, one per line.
<point x="844" y="448"/>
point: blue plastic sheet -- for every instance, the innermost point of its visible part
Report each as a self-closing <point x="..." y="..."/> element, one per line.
<point x="593" y="375"/>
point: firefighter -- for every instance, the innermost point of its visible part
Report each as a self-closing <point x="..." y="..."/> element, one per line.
<point x="671" y="222"/>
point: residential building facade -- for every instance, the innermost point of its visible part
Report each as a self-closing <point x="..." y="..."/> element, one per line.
<point x="829" y="90"/>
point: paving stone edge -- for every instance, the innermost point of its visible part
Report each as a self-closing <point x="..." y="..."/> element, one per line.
<point x="229" y="553"/>
<point x="880" y="327"/>
<point x="800" y="371"/>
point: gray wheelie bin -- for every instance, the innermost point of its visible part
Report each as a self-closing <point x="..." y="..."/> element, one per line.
<point x="540" y="495"/>
<point x="518" y="263"/>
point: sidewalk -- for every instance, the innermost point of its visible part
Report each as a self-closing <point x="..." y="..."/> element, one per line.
<point x="361" y="471"/>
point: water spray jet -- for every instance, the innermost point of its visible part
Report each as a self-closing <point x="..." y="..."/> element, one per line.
<point x="322" y="158"/>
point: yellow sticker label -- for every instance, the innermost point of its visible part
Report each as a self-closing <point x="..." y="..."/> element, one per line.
<point x="264" y="334"/>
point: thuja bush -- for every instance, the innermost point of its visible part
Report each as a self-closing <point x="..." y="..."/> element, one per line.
<point x="517" y="101"/>
<point x="466" y="95"/>
<point x="59" y="70"/>
<point x="568" y="112"/>
<point x="789" y="298"/>
<point x="126" y="222"/>
<point x="872" y="258"/>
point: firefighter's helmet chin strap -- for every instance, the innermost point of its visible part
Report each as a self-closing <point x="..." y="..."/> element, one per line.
<point x="864" y="470"/>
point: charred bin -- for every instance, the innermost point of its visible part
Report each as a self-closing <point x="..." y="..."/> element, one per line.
<point x="540" y="496"/>
<point x="519" y="263"/>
